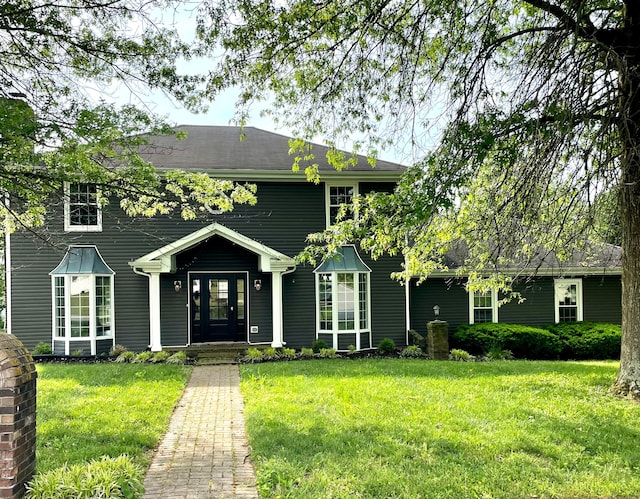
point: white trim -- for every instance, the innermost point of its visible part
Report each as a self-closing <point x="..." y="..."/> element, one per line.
<point x="494" y="306"/>
<point x="276" y="307"/>
<point x="557" y="284"/>
<point x="371" y="175"/>
<point x="163" y="260"/>
<point x="327" y="196"/>
<point x="67" y="212"/>
<point x="155" y="333"/>
<point x="7" y="275"/>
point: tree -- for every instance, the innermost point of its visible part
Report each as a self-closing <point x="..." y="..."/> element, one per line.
<point x="57" y="60"/>
<point x="535" y="103"/>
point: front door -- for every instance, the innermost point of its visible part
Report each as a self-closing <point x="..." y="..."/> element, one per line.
<point x="218" y="311"/>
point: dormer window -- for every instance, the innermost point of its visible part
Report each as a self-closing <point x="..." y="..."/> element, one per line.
<point x="82" y="211"/>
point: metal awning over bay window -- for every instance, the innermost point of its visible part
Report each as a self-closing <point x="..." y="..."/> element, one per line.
<point x="83" y="303"/>
<point x="343" y="301"/>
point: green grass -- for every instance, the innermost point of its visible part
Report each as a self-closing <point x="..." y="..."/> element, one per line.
<point x="86" y="411"/>
<point x="411" y="429"/>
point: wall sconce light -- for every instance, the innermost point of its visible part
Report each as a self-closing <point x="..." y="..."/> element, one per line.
<point x="257" y="284"/>
<point x="177" y="285"/>
<point x="436" y="311"/>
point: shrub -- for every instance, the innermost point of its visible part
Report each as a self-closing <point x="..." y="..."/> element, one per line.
<point x="418" y="339"/>
<point x="318" y="345"/>
<point x="352" y="349"/>
<point x="78" y="352"/>
<point x="497" y="353"/>
<point x="109" y="477"/>
<point x="460" y="355"/>
<point x="288" y="353"/>
<point x="253" y="355"/>
<point x="117" y="350"/>
<point x="306" y="352"/>
<point x="178" y="358"/>
<point x="412" y="351"/>
<point x="523" y="341"/>
<point x="159" y="357"/>
<point x="42" y="348"/>
<point x="387" y="346"/>
<point x="142" y="357"/>
<point x="270" y="353"/>
<point x="126" y="357"/>
<point x="588" y="340"/>
<point x="328" y="353"/>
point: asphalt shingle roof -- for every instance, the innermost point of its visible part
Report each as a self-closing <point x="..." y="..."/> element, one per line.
<point x="221" y="148"/>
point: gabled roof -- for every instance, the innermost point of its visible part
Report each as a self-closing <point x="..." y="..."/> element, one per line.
<point x="82" y="260"/>
<point x="163" y="260"/>
<point x="248" y="152"/>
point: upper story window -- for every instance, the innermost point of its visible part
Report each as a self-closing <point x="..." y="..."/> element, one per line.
<point x="568" y="300"/>
<point x="82" y="211"/>
<point x="336" y="196"/>
<point x="483" y="306"/>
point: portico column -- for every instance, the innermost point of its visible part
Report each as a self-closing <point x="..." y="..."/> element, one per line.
<point x="276" y="302"/>
<point x="155" y="341"/>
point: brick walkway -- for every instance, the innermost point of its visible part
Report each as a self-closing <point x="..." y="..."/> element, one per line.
<point x="205" y="454"/>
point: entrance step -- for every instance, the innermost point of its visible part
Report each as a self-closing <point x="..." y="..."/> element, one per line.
<point x="217" y="353"/>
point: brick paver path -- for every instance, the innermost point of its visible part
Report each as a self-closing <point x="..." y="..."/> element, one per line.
<point x="205" y="453"/>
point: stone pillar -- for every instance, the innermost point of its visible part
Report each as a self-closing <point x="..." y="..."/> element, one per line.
<point x="17" y="417"/>
<point x="438" y="340"/>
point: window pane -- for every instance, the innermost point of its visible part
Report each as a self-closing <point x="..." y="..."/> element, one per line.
<point x="60" y="313"/>
<point x="339" y="195"/>
<point x="568" y="303"/>
<point x="218" y="299"/>
<point x="195" y="299"/>
<point x="83" y="205"/>
<point x="362" y="299"/>
<point x="482" y="306"/>
<point x="325" y="301"/>
<point x="346" y="305"/>
<point x="103" y="306"/>
<point x="240" y="298"/>
<point x="80" y="310"/>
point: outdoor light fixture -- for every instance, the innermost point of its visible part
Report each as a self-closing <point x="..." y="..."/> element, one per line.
<point x="177" y="285"/>
<point x="436" y="310"/>
<point x="257" y="284"/>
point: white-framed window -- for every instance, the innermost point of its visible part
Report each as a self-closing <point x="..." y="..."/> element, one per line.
<point x="343" y="298"/>
<point x="568" y="300"/>
<point x="337" y="195"/>
<point x="483" y="306"/>
<point x="83" y="301"/>
<point x="82" y="211"/>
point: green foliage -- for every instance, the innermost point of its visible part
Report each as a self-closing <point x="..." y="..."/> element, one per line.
<point x="161" y="356"/>
<point x="42" y="348"/>
<point x="417" y="339"/>
<point x="287" y="353"/>
<point x="254" y="354"/>
<point x="306" y="352"/>
<point x="143" y="357"/>
<point x="318" y="345"/>
<point x="412" y="351"/>
<point x="126" y="357"/>
<point x="569" y="340"/>
<point x="327" y="353"/>
<point x="179" y="358"/>
<point x="78" y="352"/>
<point x="352" y="348"/>
<point x="500" y="430"/>
<point x="116" y="350"/>
<point x="386" y="346"/>
<point x="460" y="355"/>
<point x="108" y="477"/>
<point x="588" y="340"/>
<point x="525" y="342"/>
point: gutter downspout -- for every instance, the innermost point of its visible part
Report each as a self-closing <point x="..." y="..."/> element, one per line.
<point x="155" y="339"/>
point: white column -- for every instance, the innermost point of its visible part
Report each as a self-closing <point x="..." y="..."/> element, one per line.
<point x="155" y="341"/>
<point x="276" y="302"/>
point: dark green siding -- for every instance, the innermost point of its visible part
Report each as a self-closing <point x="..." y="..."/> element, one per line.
<point x="282" y="218"/>
<point x="600" y="298"/>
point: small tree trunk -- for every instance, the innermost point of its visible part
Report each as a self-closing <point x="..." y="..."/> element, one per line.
<point x="628" y="381"/>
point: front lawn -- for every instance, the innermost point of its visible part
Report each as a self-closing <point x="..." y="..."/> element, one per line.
<point x="415" y="428"/>
<point x="86" y="411"/>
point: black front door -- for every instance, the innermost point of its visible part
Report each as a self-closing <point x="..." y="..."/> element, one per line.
<point x="217" y="307"/>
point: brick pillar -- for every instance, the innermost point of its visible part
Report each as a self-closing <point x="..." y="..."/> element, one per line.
<point x="438" y="340"/>
<point x="17" y="417"/>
